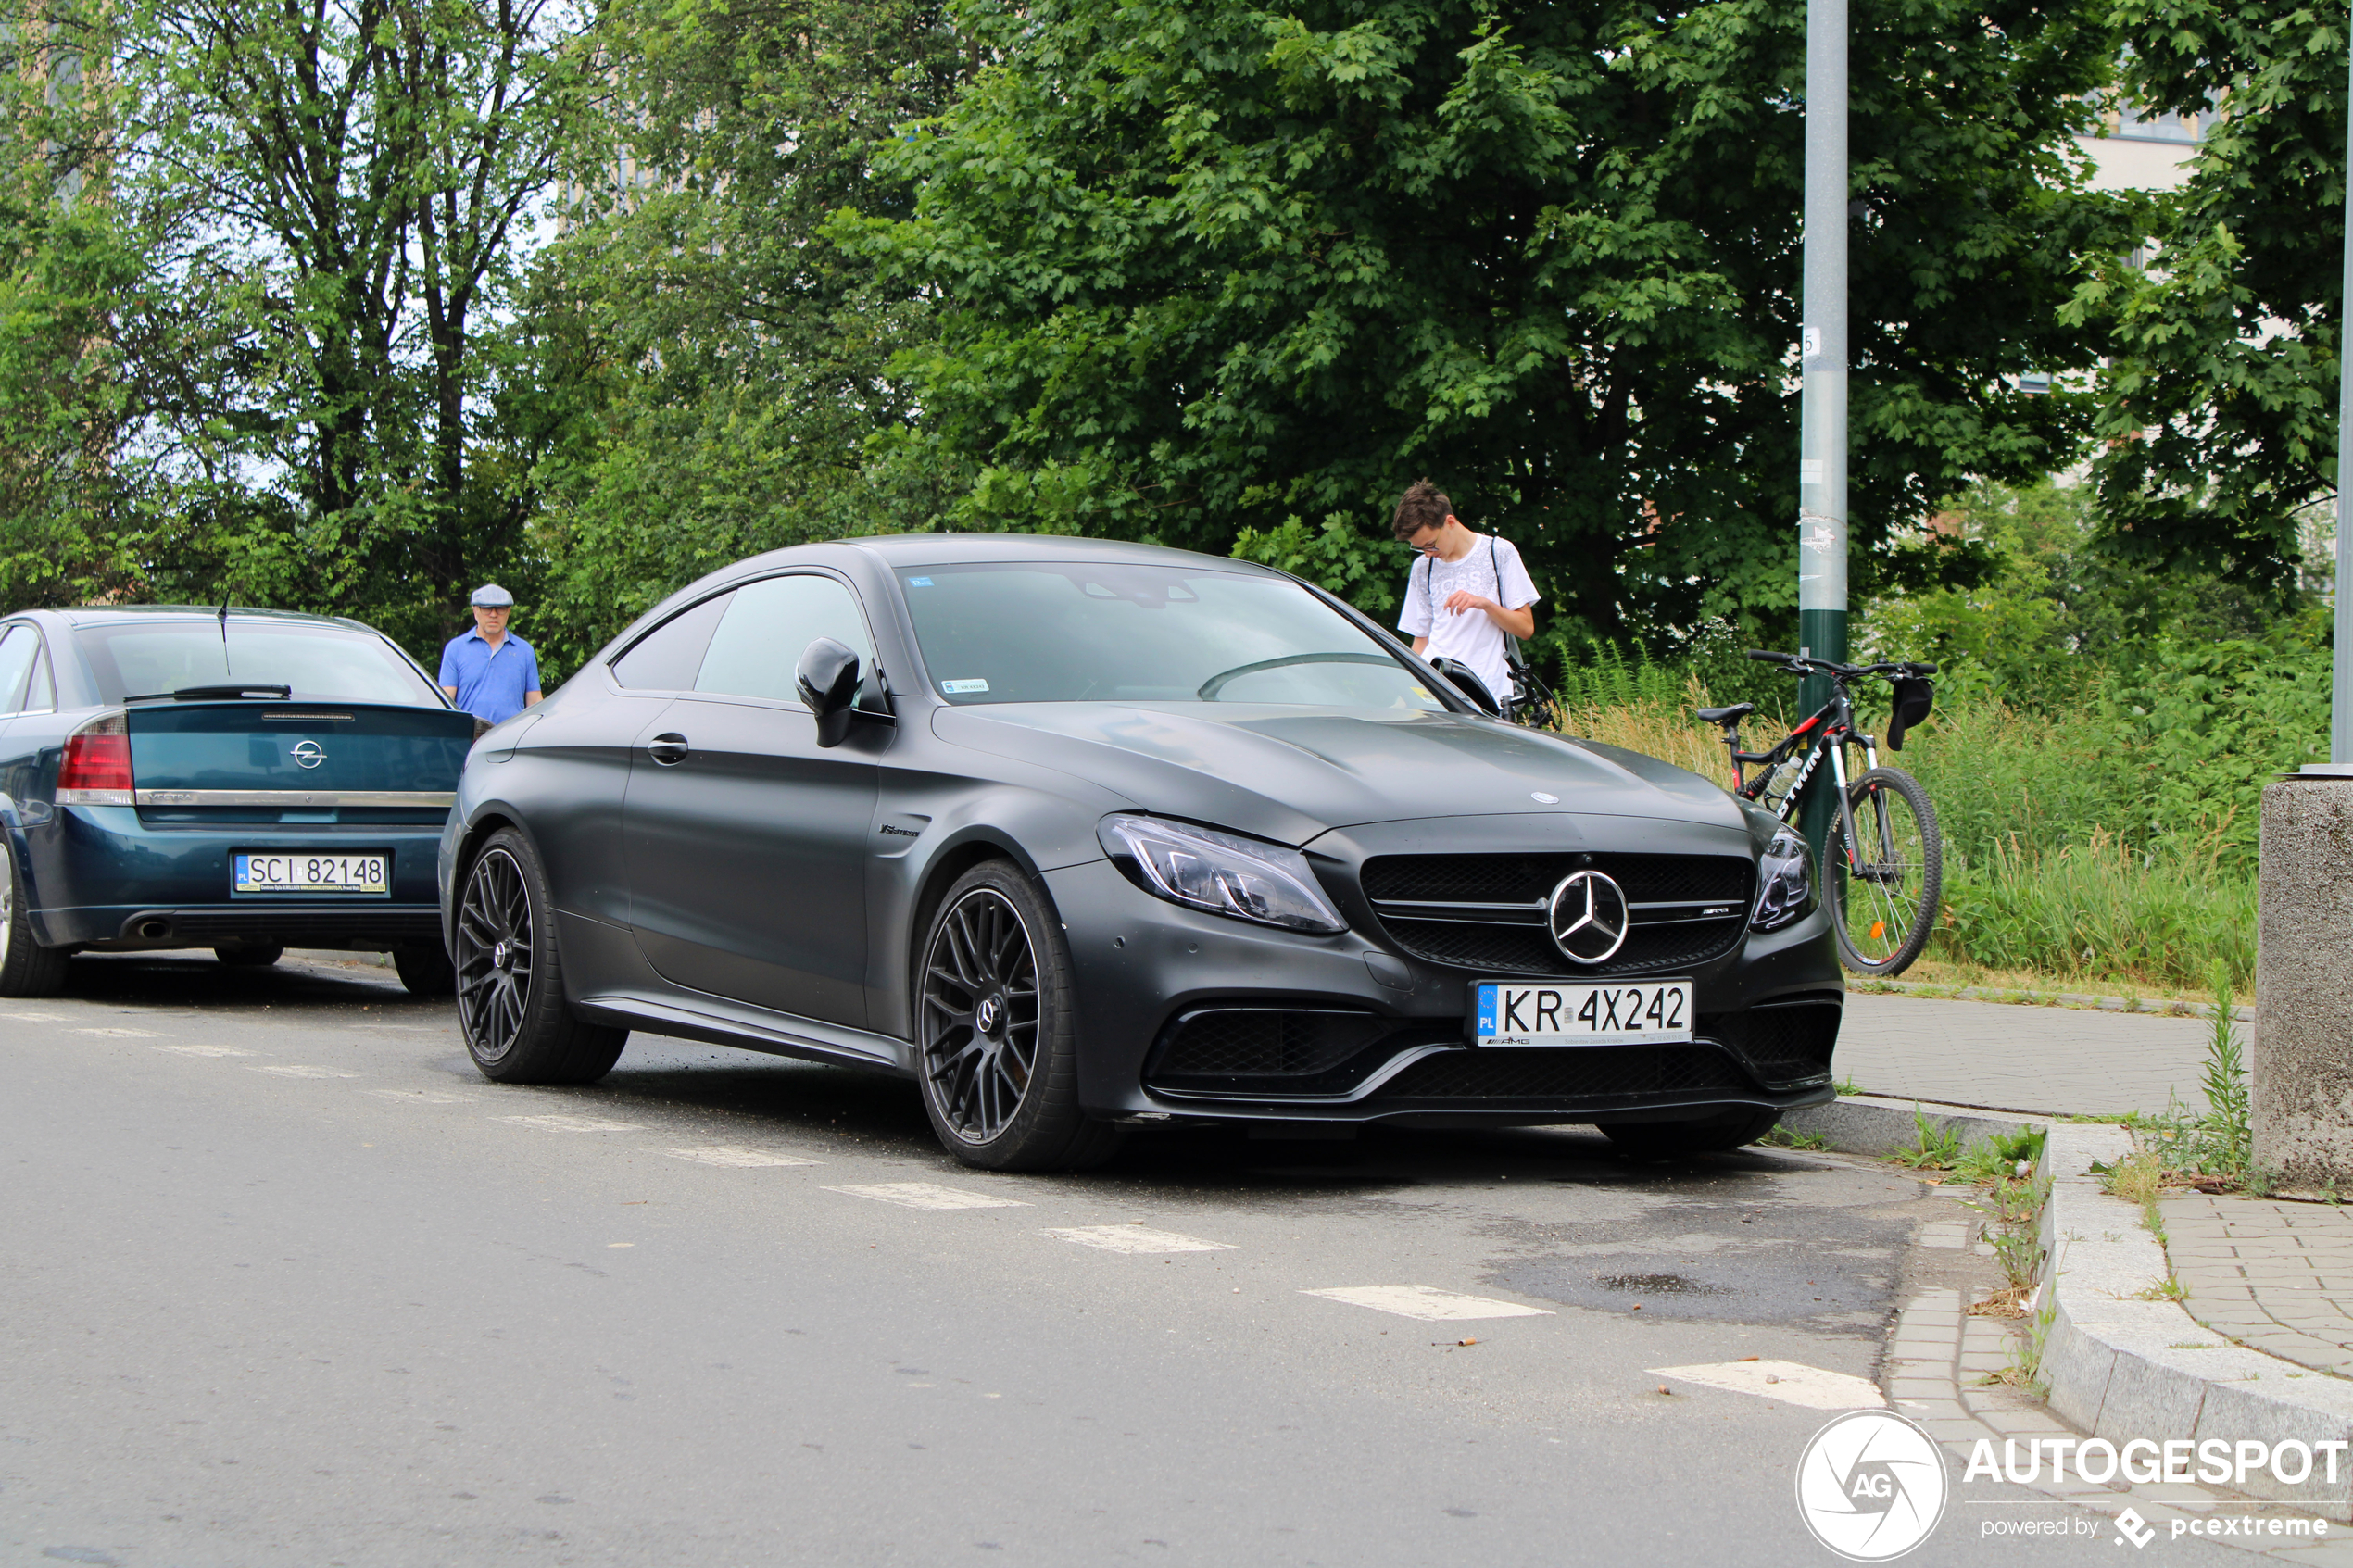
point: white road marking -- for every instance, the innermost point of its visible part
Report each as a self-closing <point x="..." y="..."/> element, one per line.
<point x="204" y="1051"/>
<point x="39" y="1017"/>
<point x="1792" y="1383"/>
<point x="423" y="1097"/>
<point x="304" y="1072"/>
<point x="1136" y="1238"/>
<point x="736" y="1156"/>
<point x="928" y="1194"/>
<point x="121" y="1033"/>
<point x="572" y="1124"/>
<point x="1427" y="1304"/>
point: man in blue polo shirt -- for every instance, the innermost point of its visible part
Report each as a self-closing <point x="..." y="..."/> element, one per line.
<point x="489" y="672"/>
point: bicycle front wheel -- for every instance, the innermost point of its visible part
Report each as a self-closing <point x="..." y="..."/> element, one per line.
<point x="1886" y="875"/>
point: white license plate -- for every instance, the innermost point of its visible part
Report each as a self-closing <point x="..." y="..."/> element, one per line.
<point x="1653" y="1013"/>
<point x="363" y="875"/>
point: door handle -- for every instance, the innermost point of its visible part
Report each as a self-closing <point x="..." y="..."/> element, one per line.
<point x="668" y="751"/>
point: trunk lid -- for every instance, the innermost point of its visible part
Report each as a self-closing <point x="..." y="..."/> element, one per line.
<point x="228" y="761"/>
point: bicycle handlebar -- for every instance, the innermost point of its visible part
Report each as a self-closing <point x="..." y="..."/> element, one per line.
<point x="1797" y="666"/>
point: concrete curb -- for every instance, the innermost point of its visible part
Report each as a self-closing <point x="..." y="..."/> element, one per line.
<point x="2121" y="1367"/>
<point x="2165" y="1007"/>
<point x="1878" y="1125"/>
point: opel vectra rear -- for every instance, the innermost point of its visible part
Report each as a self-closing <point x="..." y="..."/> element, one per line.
<point x="244" y="780"/>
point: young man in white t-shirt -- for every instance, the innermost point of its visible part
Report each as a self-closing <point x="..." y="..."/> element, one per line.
<point x="1466" y="593"/>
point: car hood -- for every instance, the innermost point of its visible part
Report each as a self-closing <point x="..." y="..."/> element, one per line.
<point x="1291" y="773"/>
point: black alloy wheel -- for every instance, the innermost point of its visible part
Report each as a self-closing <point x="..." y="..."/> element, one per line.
<point x="994" y="1030"/>
<point x="510" y="1000"/>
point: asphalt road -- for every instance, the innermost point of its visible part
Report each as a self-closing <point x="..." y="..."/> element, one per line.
<point x="285" y="1282"/>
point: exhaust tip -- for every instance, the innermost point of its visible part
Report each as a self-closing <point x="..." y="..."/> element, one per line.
<point x="154" y="929"/>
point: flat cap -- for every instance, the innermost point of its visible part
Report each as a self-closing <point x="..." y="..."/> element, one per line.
<point x="492" y="597"/>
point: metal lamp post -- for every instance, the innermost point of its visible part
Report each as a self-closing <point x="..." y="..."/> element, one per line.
<point x="1821" y="463"/>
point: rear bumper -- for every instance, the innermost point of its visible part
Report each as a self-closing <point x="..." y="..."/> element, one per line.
<point x="99" y="875"/>
<point x="125" y="928"/>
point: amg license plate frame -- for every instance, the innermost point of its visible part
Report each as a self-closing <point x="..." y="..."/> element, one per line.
<point x="1544" y="1014"/>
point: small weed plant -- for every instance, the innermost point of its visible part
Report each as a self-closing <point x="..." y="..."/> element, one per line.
<point x="1932" y="1148"/>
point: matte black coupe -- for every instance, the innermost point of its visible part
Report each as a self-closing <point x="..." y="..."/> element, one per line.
<point x="1081" y="834"/>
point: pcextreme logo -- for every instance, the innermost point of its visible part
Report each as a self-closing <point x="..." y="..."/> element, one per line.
<point x="1871" y="1486"/>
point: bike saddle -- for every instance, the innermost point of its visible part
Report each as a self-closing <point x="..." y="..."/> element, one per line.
<point x="1726" y="715"/>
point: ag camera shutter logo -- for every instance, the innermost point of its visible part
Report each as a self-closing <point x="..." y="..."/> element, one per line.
<point x="1871" y="1486"/>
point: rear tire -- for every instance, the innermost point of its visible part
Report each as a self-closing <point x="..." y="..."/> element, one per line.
<point x="1657" y="1139"/>
<point x="1883" y="899"/>
<point x="27" y="969"/>
<point x="509" y="976"/>
<point x="253" y="955"/>
<point x="996" y="1030"/>
<point x="426" y="972"/>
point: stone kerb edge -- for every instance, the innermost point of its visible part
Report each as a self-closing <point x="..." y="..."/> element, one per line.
<point x="1879" y="1125"/>
<point x="2115" y="1364"/>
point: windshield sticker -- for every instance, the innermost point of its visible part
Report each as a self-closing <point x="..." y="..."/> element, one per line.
<point x="919" y="581"/>
<point x="959" y="688"/>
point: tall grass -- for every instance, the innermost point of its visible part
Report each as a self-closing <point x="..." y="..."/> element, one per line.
<point x="2053" y="862"/>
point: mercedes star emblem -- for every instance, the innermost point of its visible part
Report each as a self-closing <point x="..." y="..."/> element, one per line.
<point x="984" y="1017"/>
<point x="1588" y="917"/>
<point x="310" y="753"/>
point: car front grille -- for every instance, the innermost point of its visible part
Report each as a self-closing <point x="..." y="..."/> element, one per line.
<point x="1485" y="913"/>
<point x="1783" y="1042"/>
<point x="1585" y="1072"/>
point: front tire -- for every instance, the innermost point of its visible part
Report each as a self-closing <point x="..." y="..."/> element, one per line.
<point x="1713" y="1135"/>
<point x="27" y="969"/>
<point x="996" y="1030"/>
<point x="509" y="976"/>
<point x="253" y="955"/>
<point x="1883" y="894"/>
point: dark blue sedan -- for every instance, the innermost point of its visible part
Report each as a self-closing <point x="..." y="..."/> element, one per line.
<point x="240" y="780"/>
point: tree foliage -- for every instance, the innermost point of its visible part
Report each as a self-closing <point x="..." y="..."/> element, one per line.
<point x="2221" y="406"/>
<point x="718" y="364"/>
<point x="1211" y="267"/>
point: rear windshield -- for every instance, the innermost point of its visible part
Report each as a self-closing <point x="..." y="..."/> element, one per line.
<point x="1054" y="632"/>
<point x="322" y="663"/>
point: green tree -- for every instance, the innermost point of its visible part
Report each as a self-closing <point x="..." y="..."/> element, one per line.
<point x="712" y="366"/>
<point x="351" y="184"/>
<point x="2221" y="406"/>
<point x="1209" y="267"/>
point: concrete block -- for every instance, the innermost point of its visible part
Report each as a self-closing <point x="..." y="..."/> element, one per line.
<point x="2303" y="1056"/>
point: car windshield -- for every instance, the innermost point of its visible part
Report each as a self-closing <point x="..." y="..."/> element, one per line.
<point x="1077" y="632"/>
<point x="320" y="663"/>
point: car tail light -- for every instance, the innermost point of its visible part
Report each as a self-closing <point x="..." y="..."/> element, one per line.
<point x="96" y="769"/>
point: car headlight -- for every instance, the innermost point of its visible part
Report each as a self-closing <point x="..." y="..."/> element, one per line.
<point x="1218" y="872"/>
<point x="1785" y="890"/>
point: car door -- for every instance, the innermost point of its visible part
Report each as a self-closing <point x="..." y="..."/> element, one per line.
<point x="745" y="841"/>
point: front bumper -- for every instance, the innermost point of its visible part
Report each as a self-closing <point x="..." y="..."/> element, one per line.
<point x="102" y="877"/>
<point x="1147" y="968"/>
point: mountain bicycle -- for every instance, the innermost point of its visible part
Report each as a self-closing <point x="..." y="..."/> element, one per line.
<point x="1886" y="868"/>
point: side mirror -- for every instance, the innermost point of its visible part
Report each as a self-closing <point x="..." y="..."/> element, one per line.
<point x="1469" y="684"/>
<point x="827" y="676"/>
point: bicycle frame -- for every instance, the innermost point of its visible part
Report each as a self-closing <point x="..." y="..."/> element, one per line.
<point x="1830" y="729"/>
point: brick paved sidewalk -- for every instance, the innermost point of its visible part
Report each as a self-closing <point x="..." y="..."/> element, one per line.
<point x="2051" y="1062"/>
<point x="2276" y="1276"/>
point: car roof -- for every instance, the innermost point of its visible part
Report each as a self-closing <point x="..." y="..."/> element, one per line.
<point x="99" y="615"/>
<point x="961" y="549"/>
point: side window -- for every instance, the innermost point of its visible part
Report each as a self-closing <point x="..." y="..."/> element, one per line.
<point x="41" y="691"/>
<point x="762" y="637"/>
<point x="665" y="659"/>
<point x="18" y="648"/>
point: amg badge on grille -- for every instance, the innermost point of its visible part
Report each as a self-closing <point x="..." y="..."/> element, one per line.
<point x="1588" y="917"/>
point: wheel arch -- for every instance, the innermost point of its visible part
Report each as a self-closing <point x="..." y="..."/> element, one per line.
<point x="940" y="875"/>
<point x="486" y="822"/>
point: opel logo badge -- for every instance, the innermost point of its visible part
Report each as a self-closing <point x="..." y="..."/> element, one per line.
<point x="310" y="753"/>
<point x="1588" y="917"/>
